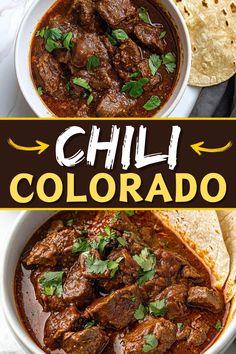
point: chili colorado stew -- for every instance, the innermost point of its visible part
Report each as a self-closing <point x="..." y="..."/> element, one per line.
<point x="115" y="282"/>
<point x="106" y="58"/>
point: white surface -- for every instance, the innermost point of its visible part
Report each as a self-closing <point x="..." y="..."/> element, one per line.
<point x="7" y="342"/>
<point x="12" y="102"/>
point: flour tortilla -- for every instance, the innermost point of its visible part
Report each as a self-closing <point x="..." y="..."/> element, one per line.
<point x="228" y="225"/>
<point x="201" y="231"/>
<point x="212" y="28"/>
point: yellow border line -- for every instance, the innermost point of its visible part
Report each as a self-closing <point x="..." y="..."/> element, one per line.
<point x="128" y="208"/>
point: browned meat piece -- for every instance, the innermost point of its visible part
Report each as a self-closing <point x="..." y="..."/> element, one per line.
<point x="60" y="323"/>
<point x="116" y="310"/>
<point x="115" y="104"/>
<point x="209" y="299"/>
<point x="116" y="220"/>
<point x="114" y="12"/>
<point x="83" y="111"/>
<point x="127" y="273"/>
<point x="163" y="330"/>
<point x="152" y="288"/>
<point x="98" y="79"/>
<point x="86" y="45"/>
<point x="198" y="334"/>
<point x="56" y="225"/>
<point x="128" y="24"/>
<point x="53" y="249"/>
<point x="51" y="76"/>
<point x="76" y="288"/>
<point x="168" y="265"/>
<point x="63" y="24"/>
<point x="128" y="55"/>
<point x="90" y="341"/>
<point x="110" y="48"/>
<point x="176" y="297"/>
<point x="191" y="273"/>
<point x="143" y="66"/>
<point x="149" y="36"/>
<point x="49" y="303"/>
<point x="85" y="10"/>
<point x="63" y="56"/>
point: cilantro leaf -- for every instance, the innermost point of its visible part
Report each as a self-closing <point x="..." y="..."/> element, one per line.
<point x="95" y="266"/>
<point x="112" y="40"/>
<point x="55" y="34"/>
<point x="67" y="40"/>
<point x="40" y="91"/>
<point x="150" y="343"/>
<point x="130" y="212"/>
<point x="146" y="260"/>
<point x="90" y="99"/>
<point x="180" y="326"/>
<point x="135" y="74"/>
<point x="120" y="34"/>
<point x="93" y="62"/>
<point x="169" y="60"/>
<point x="82" y="83"/>
<point x="146" y="276"/>
<point x="89" y="324"/>
<point x="162" y="34"/>
<point x="122" y="241"/>
<point x="218" y="325"/>
<point x="81" y="245"/>
<point x="116" y="216"/>
<point x="135" y="88"/>
<point x="51" y="44"/>
<point x="52" y="283"/>
<point x="152" y="103"/>
<point x="140" y="312"/>
<point x="144" y="15"/>
<point x="113" y="266"/>
<point x="157" y="308"/>
<point x="154" y="63"/>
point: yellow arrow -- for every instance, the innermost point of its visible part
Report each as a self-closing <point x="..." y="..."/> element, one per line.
<point x="41" y="147"/>
<point x="199" y="149"/>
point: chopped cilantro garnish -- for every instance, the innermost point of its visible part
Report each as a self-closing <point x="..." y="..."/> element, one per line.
<point x="157" y="308"/>
<point x="218" y="325"/>
<point x="82" y="83"/>
<point x="81" y="245"/>
<point x="141" y="312"/>
<point x="67" y="40"/>
<point x="162" y="34"/>
<point x="169" y="60"/>
<point x="93" y="62"/>
<point x="89" y="324"/>
<point x="146" y="260"/>
<point x="180" y="326"/>
<point x="152" y="103"/>
<point x="150" y="343"/>
<point x="130" y="212"/>
<point x="40" y="90"/>
<point x="154" y="63"/>
<point x="135" y="74"/>
<point x="135" y="88"/>
<point x="122" y="241"/>
<point x="120" y="34"/>
<point x="144" y="15"/>
<point x="52" y="283"/>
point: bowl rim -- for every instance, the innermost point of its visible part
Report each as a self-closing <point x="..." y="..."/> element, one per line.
<point x="41" y="109"/>
<point x="12" y="316"/>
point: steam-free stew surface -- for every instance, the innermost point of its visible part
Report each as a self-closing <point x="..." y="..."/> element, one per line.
<point x="110" y="58"/>
<point x="115" y="282"/>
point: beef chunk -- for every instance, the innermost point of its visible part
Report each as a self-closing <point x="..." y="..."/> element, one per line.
<point x="63" y="24"/>
<point x="149" y="36"/>
<point x="128" y="24"/>
<point x="49" y="303"/>
<point x="176" y="297"/>
<point x="127" y="273"/>
<point x="83" y="111"/>
<point x="98" y="79"/>
<point x="168" y="265"/>
<point x="85" y="10"/>
<point x="110" y="48"/>
<point x="143" y="66"/>
<point x="90" y="341"/>
<point x="54" y="249"/>
<point x="56" y="225"/>
<point x="191" y="273"/>
<point x="152" y="288"/>
<point x="163" y="330"/>
<point x="128" y="55"/>
<point x="114" y="12"/>
<point x="63" y="56"/>
<point x="198" y="333"/>
<point x="86" y="45"/>
<point x="51" y="75"/>
<point x="116" y="220"/>
<point x="59" y="323"/>
<point x="116" y="310"/>
<point x="115" y="104"/>
<point x="77" y="289"/>
<point x="205" y="298"/>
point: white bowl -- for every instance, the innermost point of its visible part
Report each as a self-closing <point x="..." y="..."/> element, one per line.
<point x="24" y="227"/>
<point x="22" y="59"/>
